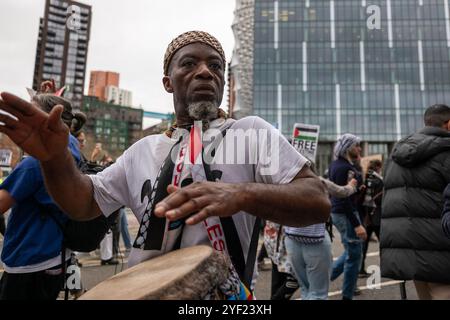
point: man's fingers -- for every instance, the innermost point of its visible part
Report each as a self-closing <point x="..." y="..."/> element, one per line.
<point x="7" y="131"/>
<point x="176" y="199"/>
<point x="161" y="207"/>
<point x="10" y="110"/>
<point x="8" y="122"/>
<point x="191" y="206"/>
<point x="54" y="122"/>
<point x="202" y="215"/>
<point x="17" y="103"/>
<point x="171" y="188"/>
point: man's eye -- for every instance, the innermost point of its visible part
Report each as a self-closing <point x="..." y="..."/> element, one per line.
<point x="215" y="66"/>
<point x="188" y="64"/>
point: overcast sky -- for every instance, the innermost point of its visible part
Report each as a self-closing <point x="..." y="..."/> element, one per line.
<point x="129" y="37"/>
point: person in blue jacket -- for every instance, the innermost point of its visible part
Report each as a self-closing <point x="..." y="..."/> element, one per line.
<point x="31" y="252"/>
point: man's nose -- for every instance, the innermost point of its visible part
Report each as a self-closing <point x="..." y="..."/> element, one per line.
<point x="203" y="71"/>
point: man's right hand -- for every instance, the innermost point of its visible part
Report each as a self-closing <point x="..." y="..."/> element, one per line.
<point x="48" y="86"/>
<point x="38" y="133"/>
<point x="353" y="183"/>
<point x="95" y="152"/>
<point x="361" y="232"/>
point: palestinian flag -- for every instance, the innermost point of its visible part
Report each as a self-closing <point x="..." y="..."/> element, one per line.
<point x="306" y="133"/>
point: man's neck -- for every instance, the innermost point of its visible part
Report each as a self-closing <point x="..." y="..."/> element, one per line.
<point x="187" y="123"/>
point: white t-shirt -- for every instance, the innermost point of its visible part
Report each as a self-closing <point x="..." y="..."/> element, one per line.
<point x="121" y="184"/>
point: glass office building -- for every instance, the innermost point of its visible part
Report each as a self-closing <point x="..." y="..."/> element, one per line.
<point x="365" y="67"/>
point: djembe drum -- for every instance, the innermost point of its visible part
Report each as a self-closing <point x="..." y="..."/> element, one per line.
<point x="186" y="274"/>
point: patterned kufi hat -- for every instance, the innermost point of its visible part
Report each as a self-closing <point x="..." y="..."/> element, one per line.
<point x="188" y="38"/>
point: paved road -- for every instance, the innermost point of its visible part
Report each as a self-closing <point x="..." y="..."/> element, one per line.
<point x="93" y="273"/>
<point x="390" y="290"/>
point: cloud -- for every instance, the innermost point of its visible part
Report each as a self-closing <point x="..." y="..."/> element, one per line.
<point x="129" y="37"/>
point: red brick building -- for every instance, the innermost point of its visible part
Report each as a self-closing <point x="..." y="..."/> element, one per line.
<point x="10" y="153"/>
<point x="99" y="80"/>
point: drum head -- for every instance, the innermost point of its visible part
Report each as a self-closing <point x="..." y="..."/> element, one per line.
<point x="184" y="274"/>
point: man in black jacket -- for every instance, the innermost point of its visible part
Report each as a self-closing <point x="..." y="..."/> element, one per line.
<point x="413" y="244"/>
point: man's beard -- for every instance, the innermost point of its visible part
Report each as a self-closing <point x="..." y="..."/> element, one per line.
<point x="204" y="111"/>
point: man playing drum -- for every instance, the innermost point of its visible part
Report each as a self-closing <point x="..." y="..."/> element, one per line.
<point x="180" y="191"/>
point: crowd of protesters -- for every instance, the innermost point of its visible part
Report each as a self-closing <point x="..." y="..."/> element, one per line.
<point x="406" y="205"/>
<point x="407" y="209"/>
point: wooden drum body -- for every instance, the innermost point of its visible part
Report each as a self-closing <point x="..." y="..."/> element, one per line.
<point x="185" y="274"/>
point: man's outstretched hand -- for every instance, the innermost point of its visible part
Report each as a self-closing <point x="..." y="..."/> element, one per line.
<point x="38" y="133"/>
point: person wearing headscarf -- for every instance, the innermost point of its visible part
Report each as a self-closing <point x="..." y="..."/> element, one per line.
<point x="344" y="147"/>
<point x="344" y="214"/>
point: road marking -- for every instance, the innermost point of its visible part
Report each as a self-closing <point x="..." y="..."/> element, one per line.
<point x="383" y="284"/>
<point x="370" y="254"/>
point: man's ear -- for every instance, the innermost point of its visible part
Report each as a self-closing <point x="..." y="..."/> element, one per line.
<point x="167" y="84"/>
